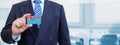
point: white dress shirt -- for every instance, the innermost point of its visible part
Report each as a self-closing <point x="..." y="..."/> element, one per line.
<point x="41" y="4"/>
<point x="18" y="37"/>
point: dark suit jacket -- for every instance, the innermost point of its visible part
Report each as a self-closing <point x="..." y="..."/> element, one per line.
<point x="53" y="29"/>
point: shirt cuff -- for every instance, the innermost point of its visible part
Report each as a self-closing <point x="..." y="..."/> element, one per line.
<point x="16" y="37"/>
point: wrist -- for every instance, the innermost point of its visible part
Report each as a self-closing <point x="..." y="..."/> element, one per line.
<point x="13" y="33"/>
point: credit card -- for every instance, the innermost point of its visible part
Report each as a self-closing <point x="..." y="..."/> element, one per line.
<point x="33" y="20"/>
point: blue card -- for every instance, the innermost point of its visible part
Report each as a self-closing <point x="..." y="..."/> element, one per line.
<point x="33" y="20"/>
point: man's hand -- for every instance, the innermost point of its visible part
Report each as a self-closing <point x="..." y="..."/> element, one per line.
<point x="19" y="25"/>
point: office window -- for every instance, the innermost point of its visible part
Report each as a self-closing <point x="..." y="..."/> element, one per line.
<point x="106" y="13"/>
<point x="105" y="22"/>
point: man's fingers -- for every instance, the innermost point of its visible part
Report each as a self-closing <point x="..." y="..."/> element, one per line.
<point x="25" y="15"/>
<point x="19" y="22"/>
<point x="23" y="21"/>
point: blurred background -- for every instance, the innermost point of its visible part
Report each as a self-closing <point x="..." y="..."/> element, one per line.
<point x="91" y="22"/>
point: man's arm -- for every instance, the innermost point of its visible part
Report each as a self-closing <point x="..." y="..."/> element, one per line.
<point x="64" y="38"/>
<point x="6" y="33"/>
<point x="14" y="26"/>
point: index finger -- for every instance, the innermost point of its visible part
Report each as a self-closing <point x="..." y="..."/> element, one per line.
<point x="25" y="15"/>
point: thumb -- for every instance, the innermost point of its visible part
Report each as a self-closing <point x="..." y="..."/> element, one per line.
<point x="29" y="25"/>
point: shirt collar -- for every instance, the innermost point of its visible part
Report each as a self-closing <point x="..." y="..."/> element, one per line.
<point x="42" y="1"/>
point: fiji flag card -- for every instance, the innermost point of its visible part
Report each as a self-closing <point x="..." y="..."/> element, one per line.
<point x="33" y="20"/>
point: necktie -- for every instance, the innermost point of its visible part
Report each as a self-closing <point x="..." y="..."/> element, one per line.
<point x="37" y="10"/>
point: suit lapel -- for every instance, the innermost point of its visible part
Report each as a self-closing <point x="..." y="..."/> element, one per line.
<point x="45" y="22"/>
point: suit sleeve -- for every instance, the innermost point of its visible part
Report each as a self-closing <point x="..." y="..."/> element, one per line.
<point x="64" y="38"/>
<point x="6" y="33"/>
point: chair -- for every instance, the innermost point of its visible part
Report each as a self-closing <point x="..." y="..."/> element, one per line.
<point x="81" y="42"/>
<point x="108" y="39"/>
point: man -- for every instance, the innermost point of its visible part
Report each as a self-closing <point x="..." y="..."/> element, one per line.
<point x="52" y="30"/>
